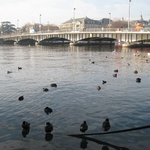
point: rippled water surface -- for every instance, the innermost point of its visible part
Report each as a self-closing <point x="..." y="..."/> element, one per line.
<point x="124" y="101"/>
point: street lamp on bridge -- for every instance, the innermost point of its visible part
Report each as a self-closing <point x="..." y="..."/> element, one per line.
<point x="129" y="16"/>
<point x="74" y="19"/>
<point x="17" y="24"/>
<point x="48" y="26"/>
<point x="40" y="26"/>
<point x="109" y="20"/>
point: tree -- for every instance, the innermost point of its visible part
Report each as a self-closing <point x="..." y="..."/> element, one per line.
<point x="7" y="28"/>
<point x="26" y="28"/>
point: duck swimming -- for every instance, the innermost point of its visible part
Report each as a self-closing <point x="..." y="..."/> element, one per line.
<point x="98" y="88"/>
<point x="83" y="127"/>
<point x="48" y="127"/>
<point x="116" y="70"/>
<point x="45" y="89"/>
<point x="115" y="75"/>
<point x="106" y="125"/>
<point x="53" y="85"/>
<point x="136" y="72"/>
<point x="138" y="80"/>
<point x="9" y="72"/>
<point x="104" y="82"/>
<point x="25" y="125"/>
<point x="21" y="98"/>
<point x="48" y="110"/>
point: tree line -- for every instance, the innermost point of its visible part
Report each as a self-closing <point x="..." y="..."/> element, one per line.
<point x="7" y="27"/>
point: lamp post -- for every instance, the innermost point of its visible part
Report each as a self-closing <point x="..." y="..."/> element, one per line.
<point x="48" y="26"/>
<point x="17" y="24"/>
<point x="129" y="16"/>
<point x="40" y="23"/>
<point x="109" y="20"/>
<point x="74" y="19"/>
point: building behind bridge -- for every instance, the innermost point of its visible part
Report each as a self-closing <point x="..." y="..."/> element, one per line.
<point x="81" y="24"/>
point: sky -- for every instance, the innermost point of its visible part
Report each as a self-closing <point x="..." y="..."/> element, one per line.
<point x="21" y="12"/>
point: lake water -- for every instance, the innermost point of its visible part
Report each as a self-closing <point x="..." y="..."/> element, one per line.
<point x="124" y="101"/>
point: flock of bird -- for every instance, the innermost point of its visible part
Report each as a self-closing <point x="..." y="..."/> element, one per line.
<point x="105" y="126"/>
<point x="106" y="123"/>
<point x="26" y="125"/>
<point x="115" y="75"/>
<point x="48" y="128"/>
<point x="83" y="127"/>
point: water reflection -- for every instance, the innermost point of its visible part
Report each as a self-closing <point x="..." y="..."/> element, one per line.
<point x="25" y="128"/>
<point x="48" y="136"/>
<point x="105" y="147"/>
<point x="83" y="144"/>
<point x="102" y="48"/>
<point x="25" y="132"/>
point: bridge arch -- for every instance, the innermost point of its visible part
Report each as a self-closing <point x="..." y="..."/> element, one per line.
<point x="54" y="40"/>
<point x="96" y="40"/>
<point x="9" y="42"/>
<point x="99" y="39"/>
<point x="27" y="41"/>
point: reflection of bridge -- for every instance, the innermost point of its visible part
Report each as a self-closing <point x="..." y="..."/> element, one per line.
<point x="63" y="37"/>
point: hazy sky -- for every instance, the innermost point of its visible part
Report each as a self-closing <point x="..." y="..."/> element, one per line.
<point x="59" y="11"/>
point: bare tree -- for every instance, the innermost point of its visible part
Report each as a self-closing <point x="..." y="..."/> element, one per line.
<point x="119" y="24"/>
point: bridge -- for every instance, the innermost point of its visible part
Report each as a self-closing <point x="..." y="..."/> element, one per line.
<point x="76" y="37"/>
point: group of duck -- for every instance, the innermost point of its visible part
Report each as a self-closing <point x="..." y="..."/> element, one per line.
<point x="44" y="89"/>
<point x="105" y="126"/>
<point x="48" y="127"/>
<point x="52" y="85"/>
<point x="116" y="74"/>
<point x="47" y="110"/>
<point x="26" y="125"/>
<point x="19" y="68"/>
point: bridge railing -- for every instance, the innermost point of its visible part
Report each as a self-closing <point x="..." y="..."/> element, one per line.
<point x="78" y="31"/>
<point x="107" y="30"/>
